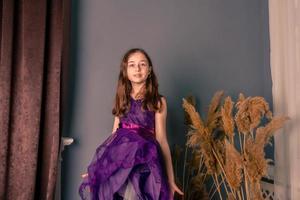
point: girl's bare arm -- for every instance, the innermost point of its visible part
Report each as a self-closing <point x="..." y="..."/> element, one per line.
<point x="161" y="137"/>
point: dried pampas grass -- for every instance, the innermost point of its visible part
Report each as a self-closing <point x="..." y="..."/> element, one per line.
<point x="235" y="167"/>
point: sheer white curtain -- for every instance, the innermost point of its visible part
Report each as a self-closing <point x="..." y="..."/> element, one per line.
<point x="284" y="16"/>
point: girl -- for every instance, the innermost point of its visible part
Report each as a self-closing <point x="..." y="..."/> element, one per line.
<point x="134" y="163"/>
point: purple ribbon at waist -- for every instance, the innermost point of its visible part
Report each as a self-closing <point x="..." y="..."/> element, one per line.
<point x="134" y="126"/>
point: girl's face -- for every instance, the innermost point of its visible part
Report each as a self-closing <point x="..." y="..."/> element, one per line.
<point x="137" y="68"/>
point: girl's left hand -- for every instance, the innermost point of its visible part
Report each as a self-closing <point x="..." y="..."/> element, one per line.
<point x="174" y="188"/>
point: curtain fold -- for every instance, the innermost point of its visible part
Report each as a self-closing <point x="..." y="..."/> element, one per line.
<point x="284" y="16"/>
<point x="31" y="60"/>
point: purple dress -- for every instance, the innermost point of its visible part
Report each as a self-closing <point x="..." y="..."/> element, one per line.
<point x="129" y="163"/>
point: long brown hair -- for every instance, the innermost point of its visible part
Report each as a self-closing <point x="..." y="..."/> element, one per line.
<point x="151" y="97"/>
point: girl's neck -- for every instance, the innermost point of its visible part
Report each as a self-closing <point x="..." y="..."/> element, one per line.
<point x="137" y="90"/>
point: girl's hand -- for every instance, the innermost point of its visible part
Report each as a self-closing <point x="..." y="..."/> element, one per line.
<point x="174" y="188"/>
<point x="84" y="175"/>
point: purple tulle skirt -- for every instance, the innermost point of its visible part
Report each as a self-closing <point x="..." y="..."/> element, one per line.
<point x="128" y="165"/>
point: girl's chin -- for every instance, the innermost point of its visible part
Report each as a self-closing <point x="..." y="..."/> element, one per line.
<point x="138" y="82"/>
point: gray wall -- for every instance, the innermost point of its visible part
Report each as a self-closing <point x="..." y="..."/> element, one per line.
<point x="197" y="46"/>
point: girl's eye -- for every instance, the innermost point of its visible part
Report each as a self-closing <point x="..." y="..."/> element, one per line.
<point x="131" y="65"/>
<point x="143" y="64"/>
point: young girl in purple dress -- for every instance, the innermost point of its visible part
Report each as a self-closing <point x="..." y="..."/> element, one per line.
<point x="134" y="163"/>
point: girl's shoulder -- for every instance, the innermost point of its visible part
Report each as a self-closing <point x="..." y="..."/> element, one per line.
<point x="162" y="96"/>
<point x="162" y="101"/>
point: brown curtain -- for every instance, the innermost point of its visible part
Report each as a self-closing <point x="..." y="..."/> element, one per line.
<point x="33" y="52"/>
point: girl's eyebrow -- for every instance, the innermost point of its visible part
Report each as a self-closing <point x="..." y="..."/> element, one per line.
<point x="140" y="61"/>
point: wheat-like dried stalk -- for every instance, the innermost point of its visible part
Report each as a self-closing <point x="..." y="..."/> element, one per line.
<point x="213" y="113"/>
<point x="242" y="118"/>
<point x="241" y="99"/>
<point x="230" y="197"/>
<point x="197" y="187"/>
<point x="250" y="113"/>
<point x="194" y="116"/>
<point x="264" y="133"/>
<point x="255" y="162"/>
<point x="256" y="192"/>
<point x="233" y="166"/>
<point x="195" y="160"/>
<point x="258" y="108"/>
<point x="194" y="138"/>
<point x="200" y="137"/>
<point x="209" y="159"/>
<point x="227" y="119"/>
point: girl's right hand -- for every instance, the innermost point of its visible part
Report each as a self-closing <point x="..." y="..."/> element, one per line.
<point x="84" y="175"/>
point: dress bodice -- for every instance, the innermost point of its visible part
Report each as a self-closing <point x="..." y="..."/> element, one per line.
<point x="136" y="115"/>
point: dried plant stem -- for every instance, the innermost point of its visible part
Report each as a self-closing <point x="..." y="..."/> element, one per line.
<point x="225" y="186"/>
<point x="246" y="184"/>
<point x="240" y="136"/>
<point x="210" y="193"/>
<point x="244" y="145"/>
<point x="176" y="169"/>
<point x="212" y="197"/>
<point x="239" y="194"/>
<point x="187" y="186"/>
<point x="202" y="159"/>
<point x="242" y="191"/>
<point x="252" y="134"/>
<point x="214" y="191"/>
<point x="222" y="168"/>
<point x="242" y="150"/>
<point x="187" y="181"/>
<point x="245" y="172"/>
<point x="202" y="169"/>
<point x="217" y="185"/>
<point x="204" y="178"/>
<point x="184" y="165"/>
<point x="211" y="188"/>
<point x="200" y="164"/>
